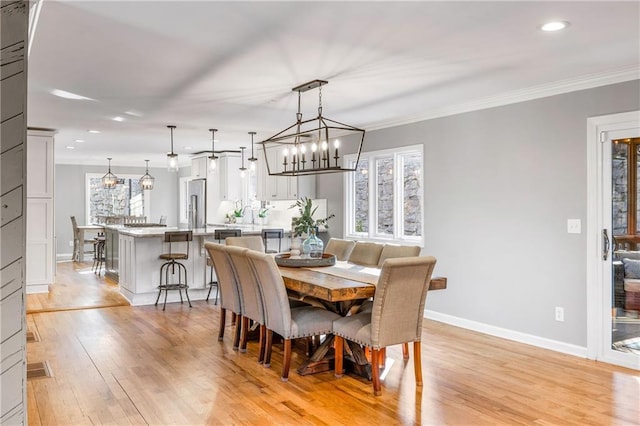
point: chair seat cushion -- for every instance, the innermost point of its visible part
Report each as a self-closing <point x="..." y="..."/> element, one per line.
<point x="356" y="328"/>
<point x="632" y="285"/>
<point x="174" y="256"/>
<point x="311" y="321"/>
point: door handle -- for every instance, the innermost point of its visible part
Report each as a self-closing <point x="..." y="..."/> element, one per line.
<point x="606" y="244"/>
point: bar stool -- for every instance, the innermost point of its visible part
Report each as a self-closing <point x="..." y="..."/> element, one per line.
<point x="219" y="234"/>
<point x="272" y="234"/>
<point x="172" y="264"/>
<point x="99" y="255"/>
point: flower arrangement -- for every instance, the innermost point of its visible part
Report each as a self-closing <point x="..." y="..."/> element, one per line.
<point x="303" y="223"/>
<point x="237" y="211"/>
<point x="263" y="212"/>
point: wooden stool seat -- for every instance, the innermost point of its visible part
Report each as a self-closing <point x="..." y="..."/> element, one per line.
<point x="174" y="256"/>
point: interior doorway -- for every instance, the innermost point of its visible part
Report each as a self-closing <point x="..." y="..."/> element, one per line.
<point x="613" y="239"/>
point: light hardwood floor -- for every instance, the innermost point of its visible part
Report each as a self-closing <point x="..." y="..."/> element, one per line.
<point x="140" y="365"/>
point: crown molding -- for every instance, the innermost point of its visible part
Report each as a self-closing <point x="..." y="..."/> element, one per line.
<point x="589" y="81"/>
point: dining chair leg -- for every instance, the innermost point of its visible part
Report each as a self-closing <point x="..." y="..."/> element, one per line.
<point x="383" y="358"/>
<point x="245" y="332"/>
<point x="286" y="363"/>
<point x="223" y="319"/>
<point x="238" y="330"/>
<point x="338" y="345"/>
<point x="267" y="348"/>
<point x="417" y="362"/>
<point x="375" y="371"/>
<point x="405" y="351"/>
<point x="262" y="343"/>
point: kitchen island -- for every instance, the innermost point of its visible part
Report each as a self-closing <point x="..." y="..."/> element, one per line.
<point x="139" y="264"/>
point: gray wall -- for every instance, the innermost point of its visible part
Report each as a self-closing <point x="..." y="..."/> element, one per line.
<point x="70" y="197"/>
<point x="500" y="185"/>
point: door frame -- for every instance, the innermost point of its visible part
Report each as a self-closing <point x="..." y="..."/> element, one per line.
<point x="599" y="271"/>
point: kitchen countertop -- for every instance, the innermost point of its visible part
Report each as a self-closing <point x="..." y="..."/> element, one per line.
<point x="247" y="229"/>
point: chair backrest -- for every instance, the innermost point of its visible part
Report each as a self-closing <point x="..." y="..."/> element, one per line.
<point x="135" y="219"/>
<point x="74" y="224"/>
<point x="178" y="237"/>
<point x="252" y="242"/>
<point x="391" y="251"/>
<point x="252" y="304"/>
<point x="365" y="253"/>
<point x="341" y="249"/>
<point x="223" y="234"/>
<point x="398" y="305"/>
<point x="277" y="311"/>
<point x="272" y="233"/>
<point x="229" y="290"/>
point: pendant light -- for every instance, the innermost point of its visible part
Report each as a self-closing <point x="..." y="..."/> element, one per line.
<point x="109" y="180"/>
<point x="242" y="168"/>
<point x="315" y="136"/>
<point x="147" y="181"/>
<point x="172" y="158"/>
<point x="252" y="159"/>
<point x="212" y="157"/>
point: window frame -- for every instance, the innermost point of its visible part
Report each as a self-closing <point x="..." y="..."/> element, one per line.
<point x="87" y="198"/>
<point x="372" y="157"/>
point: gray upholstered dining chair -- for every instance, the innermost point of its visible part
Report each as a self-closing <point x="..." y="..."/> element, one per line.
<point x="391" y="251"/>
<point x="252" y="242"/>
<point x="396" y="317"/>
<point x="340" y="248"/>
<point x="250" y="295"/>
<point x="229" y="290"/>
<point x="366" y="254"/>
<point x="280" y="318"/>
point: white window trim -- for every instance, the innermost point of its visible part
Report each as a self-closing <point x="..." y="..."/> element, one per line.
<point x="349" y="199"/>
<point x="87" y="198"/>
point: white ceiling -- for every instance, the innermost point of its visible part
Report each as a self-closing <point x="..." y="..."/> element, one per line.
<point x="231" y="65"/>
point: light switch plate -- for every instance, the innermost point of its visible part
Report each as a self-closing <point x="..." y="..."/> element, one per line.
<point x="574" y="226"/>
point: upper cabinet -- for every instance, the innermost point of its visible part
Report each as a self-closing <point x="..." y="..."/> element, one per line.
<point x="40" y="164"/>
<point x="223" y="184"/>
<point x="271" y="188"/>
<point x="199" y="168"/>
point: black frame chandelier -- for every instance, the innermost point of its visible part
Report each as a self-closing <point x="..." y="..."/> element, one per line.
<point x="109" y="180"/>
<point x="147" y="181"/>
<point x="310" y="147"/>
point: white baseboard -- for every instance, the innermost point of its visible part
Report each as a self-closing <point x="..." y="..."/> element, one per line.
<point x="37" y="288"/>
<point x="62" y="257"/>
<point x="504" y="333"/>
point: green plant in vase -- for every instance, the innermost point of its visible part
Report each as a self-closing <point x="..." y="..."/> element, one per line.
<point x="305" y="224"/>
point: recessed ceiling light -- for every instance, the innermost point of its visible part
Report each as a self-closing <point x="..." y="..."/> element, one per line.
<point x="79" y="140"/>
<point x="188" y="148"/>
<point x="554" y="26"/>
<point x="71" y="147"/>
<point x="133" y="113"/>
<point x="93" y="131"/>
<point x="118" y="118"/>
<point x="68" y="95"/>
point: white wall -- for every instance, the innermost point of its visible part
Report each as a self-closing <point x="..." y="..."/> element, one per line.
<point x="500" y="185"/>
<point x="70" y="198"/>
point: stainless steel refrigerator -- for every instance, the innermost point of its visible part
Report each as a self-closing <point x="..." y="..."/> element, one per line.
<point x="197" y="203"/>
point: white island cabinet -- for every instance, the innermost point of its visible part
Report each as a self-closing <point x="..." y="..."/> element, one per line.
<point x="139" y="264"/>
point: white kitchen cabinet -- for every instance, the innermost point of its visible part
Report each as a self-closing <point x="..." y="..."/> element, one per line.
<point x="40" y="164"/>
<point x="199" y="168"/>
<point x="229" y="174"/>
<point x="224" y="185"/>
<point x="40" y="211"/>
<point x="271" y="188"/>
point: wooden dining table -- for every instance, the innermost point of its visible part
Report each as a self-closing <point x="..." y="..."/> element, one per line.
<point x="341" y="288"/>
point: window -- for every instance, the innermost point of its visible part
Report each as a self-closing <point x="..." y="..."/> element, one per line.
<point x="383" y="197"/>
<point x="126" y="199"/>
<point x="626" y="186"/>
